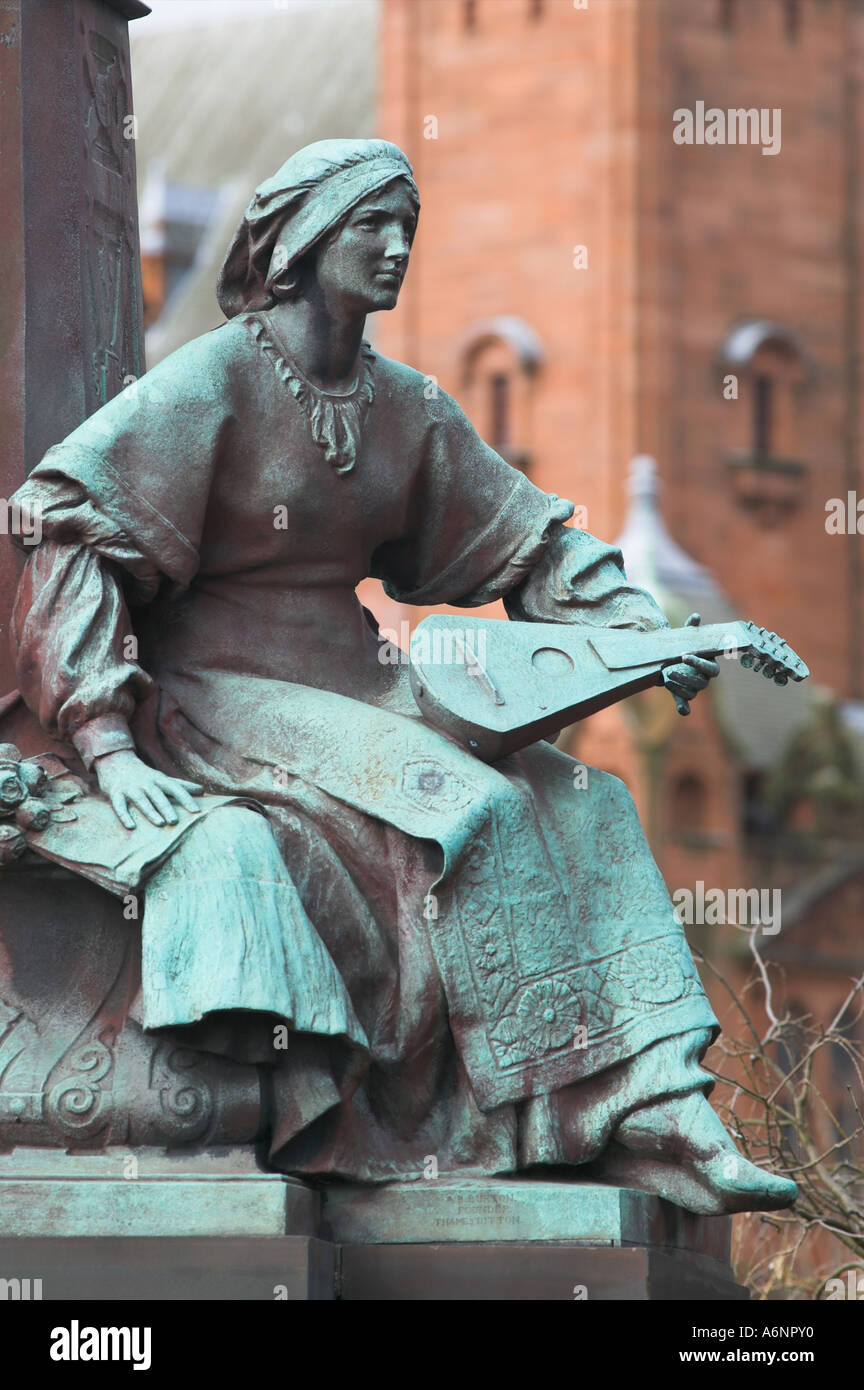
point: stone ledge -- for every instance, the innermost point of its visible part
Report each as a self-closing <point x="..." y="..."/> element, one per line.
<point x="50" y="1193"/>
<point x="216" y="1225"/>
<point x="515" y="1210"/>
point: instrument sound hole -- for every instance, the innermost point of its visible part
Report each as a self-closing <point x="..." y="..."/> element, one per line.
<point x="550" y="661"/>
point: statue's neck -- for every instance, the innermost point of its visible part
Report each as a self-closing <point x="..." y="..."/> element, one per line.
<point x="324" y="344"/>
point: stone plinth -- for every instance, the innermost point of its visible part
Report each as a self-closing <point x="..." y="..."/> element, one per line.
<point x="515" y="1209"/>
<point x="145" y="1225"/>
<point x="124" y="1192"/>
<point x="132" y="1225"/>
<point x="523" y="1239"/>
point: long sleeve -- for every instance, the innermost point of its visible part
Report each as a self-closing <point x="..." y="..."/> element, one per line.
<point x="579" y="579"/>
<point x="121" y="502"/>
<point x="476" y="526"/>
<point x="480" y="531"/>
<point x="71" y="628"/>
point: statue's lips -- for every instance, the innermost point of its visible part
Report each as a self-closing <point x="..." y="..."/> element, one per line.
<point x="394" y="276"/>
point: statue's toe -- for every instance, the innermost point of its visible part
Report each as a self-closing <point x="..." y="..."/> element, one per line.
<point x="709" y="1187"/>
<point x="679" y="1149"/>
<point x="741" y="1186"/>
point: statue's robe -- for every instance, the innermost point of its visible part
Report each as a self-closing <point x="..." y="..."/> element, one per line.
<point x="510" y="979"/>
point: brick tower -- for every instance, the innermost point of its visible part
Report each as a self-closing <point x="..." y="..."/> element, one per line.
<point x="590" y="287"/>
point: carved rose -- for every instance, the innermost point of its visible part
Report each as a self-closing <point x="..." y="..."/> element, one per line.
<point x="548" y="1014"/>
<point x="651" y="974"/>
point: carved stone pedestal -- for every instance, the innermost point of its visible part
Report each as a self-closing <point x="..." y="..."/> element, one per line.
<point x="148" y="1193"/>
<point x="523" y="1239"/>
<point x="213" y="1226"/>
<point x="76" y="1069"/>
<point x="144" y="1224"/>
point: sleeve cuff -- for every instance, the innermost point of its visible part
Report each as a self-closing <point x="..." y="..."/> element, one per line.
<point x="107" y="733"/>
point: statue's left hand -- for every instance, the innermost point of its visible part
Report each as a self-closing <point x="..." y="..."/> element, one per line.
<point x="689" y="676"/>
<point x="131" y="785"/>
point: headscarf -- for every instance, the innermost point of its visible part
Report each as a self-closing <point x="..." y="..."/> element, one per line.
<point x="312" y="192"/>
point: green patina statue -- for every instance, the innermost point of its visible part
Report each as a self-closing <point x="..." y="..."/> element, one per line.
<point x="426" y="952"/>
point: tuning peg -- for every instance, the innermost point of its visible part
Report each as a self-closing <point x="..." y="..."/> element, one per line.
<point x="781" y="679"/>
<point x="747" y="659"/>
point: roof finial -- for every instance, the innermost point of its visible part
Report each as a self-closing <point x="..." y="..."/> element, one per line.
<point x="643" y="480"/>
<point x="652" y="558"/>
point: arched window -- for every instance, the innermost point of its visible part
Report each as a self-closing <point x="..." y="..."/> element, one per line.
<point x="688" y="803"/>
<point x="763" y="418"/>
<point x="756" y="817"/>
<point x="773" y="380"/>
<point x="499" y="360"/>
<point x="500" y="427"/>
<point x="764" y="374"/>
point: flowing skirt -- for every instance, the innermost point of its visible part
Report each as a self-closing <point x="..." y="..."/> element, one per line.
<point x="431" y="959"/>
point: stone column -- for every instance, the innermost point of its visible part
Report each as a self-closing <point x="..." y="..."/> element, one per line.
<point x="70" y="280"/>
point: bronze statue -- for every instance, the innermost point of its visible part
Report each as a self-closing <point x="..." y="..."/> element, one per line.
<point x="426" y="954"/>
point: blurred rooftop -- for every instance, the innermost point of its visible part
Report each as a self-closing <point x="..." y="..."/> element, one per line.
<point x="220" y="105"/>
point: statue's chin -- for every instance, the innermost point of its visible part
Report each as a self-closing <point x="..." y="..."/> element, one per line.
<point x="383" y="298"/>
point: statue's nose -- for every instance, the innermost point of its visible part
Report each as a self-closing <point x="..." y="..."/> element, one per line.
<point x="398" y="248"/>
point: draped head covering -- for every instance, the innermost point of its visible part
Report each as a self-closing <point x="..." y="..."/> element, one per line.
<point x="311" y="194"/>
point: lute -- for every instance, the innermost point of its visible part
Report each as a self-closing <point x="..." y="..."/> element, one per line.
<point x="497" y="686"/>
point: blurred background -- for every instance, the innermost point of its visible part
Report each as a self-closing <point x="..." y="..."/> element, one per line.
<point x="668" y="334"/>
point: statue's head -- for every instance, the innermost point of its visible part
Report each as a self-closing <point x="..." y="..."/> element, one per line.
<point x="340" y="212"/>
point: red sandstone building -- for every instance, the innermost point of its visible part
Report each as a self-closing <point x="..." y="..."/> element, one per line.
<point x="592" y="288"/>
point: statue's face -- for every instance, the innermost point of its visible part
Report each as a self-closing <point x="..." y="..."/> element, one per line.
<point x="364" y="262"/>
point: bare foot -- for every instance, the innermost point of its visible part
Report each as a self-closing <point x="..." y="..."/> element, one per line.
<point x="678" y="1149"/>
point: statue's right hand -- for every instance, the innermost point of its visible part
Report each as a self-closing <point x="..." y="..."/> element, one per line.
<point x="130" y="785"/>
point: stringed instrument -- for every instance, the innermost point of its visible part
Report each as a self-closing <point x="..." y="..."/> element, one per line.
<point x="498" y="686"/>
